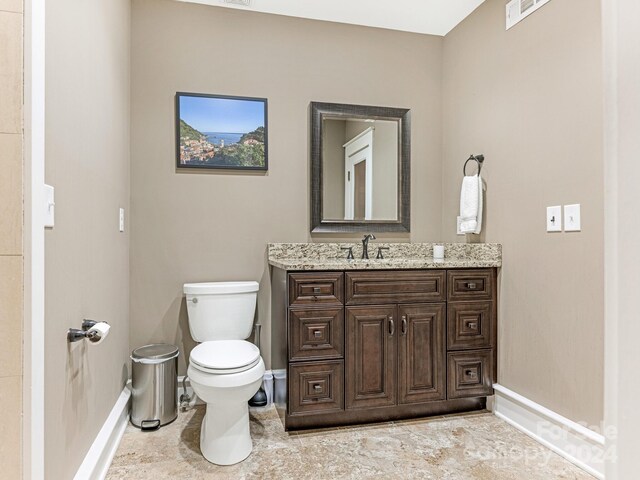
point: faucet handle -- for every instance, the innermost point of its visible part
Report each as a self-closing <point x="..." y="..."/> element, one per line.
<point x="380" y="249"/>
<point x="350" y="253"/>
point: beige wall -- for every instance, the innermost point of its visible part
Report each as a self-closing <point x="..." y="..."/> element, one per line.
<point x="530" y="99"/>
<point x="621" y="21"/>
<point x="198" y="226"/>
<point x="87" y="259"/>
<point x="11" y="252"/>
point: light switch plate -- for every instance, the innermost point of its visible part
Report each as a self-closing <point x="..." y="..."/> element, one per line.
<point x="554" y="219"/>
<point x="49" y="207"/>
<point x="572" y="218"/>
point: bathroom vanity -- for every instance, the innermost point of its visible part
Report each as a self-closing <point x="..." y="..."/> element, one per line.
<point x="376" y="340"/>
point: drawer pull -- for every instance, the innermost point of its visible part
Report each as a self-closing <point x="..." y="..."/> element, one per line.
<point x="473" y="325"/>
<point x="392" y="326"/>
<point x="471" y="285"/>
<point x="316" y="290"/>
<point x="317" y="387"/>
<point x="404" y="325"/>
<point x="317" y="333"/>
<point x="470" y="373"/>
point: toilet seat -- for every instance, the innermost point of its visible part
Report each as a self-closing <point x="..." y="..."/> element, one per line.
<point x="223" y="357"/>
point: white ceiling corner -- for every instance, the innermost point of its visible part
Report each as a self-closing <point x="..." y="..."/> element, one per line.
<point x="434" y="17"/>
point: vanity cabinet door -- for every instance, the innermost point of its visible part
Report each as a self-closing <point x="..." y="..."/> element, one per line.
<point x="471" y="284"/>
<point x="316" y="288"/>
<point x="370" y="356"/>
<point x="470" y="374"/>
<point x="316" y="333"/>
<point x="470" y="325"/>
<point x="371" y="288"/>
<point x="316" y="387"/>
<point x="422" y="370"/>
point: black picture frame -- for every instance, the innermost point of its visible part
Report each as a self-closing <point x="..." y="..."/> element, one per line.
<point x="211" y="165"/>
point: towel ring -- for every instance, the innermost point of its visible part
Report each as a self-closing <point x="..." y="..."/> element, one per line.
<point x="478" y="159"/>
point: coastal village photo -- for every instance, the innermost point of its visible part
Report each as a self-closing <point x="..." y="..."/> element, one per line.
<point x="221" y="132"/>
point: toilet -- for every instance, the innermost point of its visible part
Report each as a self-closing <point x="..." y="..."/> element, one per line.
<point x="225" y="370"/>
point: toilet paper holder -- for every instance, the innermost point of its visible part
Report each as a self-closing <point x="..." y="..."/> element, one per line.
<point x="76" y="334"/>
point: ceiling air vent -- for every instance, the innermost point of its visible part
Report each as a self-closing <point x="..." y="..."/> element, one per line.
<point x="244" y="3"/>
<point x="517" y="10"/>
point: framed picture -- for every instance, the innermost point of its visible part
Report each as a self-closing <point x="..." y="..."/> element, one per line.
<point x="216" y="131"/>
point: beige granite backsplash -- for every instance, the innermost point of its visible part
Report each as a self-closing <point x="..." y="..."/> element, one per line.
<point x="322" y="256"/>
<point x="320" y="251"/>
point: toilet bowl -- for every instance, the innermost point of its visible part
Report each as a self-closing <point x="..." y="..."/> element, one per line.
<point x="226" y="387"/>
<point x="224" y="369"/>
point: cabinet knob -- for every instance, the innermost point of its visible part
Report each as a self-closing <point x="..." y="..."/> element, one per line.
<point x="392" y="326"/>
<point x="317" y="387"/>
<point x="471" y="373"/>
<point x="473" y="325"/>
<point x="317" y="333"/>
<point x="471" y="285"/>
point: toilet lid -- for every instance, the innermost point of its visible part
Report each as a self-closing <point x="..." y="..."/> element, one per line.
<point x="226" y="356"/>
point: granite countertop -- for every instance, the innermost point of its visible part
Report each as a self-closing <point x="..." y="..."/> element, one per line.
<point x="329" y="256"/>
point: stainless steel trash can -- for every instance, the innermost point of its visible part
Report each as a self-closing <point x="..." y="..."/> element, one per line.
<point x="154" y="382"/>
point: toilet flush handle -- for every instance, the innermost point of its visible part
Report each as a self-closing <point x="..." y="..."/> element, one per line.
<point x="194" y="299"/>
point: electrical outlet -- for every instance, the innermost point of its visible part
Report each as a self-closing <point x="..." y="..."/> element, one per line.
<point x="572" y="218"/>
<point x="554" y="219"/>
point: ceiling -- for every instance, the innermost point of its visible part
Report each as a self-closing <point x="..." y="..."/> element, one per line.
<point x="435" y="17"/>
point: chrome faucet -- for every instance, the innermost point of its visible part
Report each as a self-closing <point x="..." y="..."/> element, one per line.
<point x="365" y="245"/>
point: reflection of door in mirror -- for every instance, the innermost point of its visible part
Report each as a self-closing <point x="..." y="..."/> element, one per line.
<point x="358" y="188"/>
<point x="345" y="143"/>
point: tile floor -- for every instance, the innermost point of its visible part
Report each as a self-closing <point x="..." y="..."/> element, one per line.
<point x="469" y="446"/>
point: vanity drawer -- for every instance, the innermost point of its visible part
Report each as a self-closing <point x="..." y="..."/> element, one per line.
<point x="316" y="387"/>
<point x="366" y="288"/>
<point x="470" y="284"/>
<point x="470" y="374"/>
<point x="316" y="333"/>
<point x="470" y="325"/>
<point x="315" y="288"/>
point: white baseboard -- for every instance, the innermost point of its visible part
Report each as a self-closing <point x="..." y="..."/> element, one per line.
<point x="578" y="444"/>
<point x="98" y="459"/>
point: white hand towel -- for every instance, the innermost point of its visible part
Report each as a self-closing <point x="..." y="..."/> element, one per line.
<point x="481" y="188"/>
<point x="471" y="204"/>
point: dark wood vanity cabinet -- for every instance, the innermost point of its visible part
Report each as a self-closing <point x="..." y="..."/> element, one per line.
<point x="381" y="345"/>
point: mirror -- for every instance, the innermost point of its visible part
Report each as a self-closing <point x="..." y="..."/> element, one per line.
<point x="360" y="160"/>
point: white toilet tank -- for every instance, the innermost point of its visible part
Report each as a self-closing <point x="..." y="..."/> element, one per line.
<point x="221" y="310"/>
